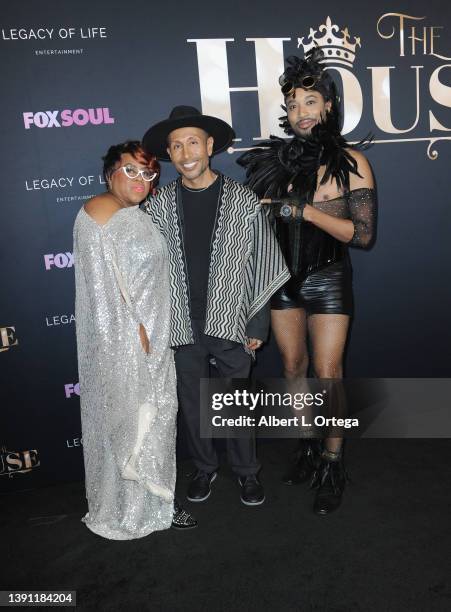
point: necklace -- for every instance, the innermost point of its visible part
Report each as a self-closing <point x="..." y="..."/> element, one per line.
<point x="199" y="190"/>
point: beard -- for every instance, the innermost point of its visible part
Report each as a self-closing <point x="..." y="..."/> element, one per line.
<point x="305" y="132"/>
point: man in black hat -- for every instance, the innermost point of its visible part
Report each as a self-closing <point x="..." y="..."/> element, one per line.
<point x="225" y="264"/>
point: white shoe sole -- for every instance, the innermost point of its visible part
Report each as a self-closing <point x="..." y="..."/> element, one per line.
<point x="252" y="503"/>
<point x="259" y="503"/>
<point x="201" y="499"/>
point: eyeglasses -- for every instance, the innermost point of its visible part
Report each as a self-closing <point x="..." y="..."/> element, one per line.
<point x="132" y="172"/>
<point x="288" y="87"/>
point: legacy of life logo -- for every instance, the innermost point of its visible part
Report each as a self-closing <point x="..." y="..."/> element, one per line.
<point x="425" y="41"/>
<point x="59" y="260"/>
<point x="18" y="462"/>
<point x="67" y="117"/>
<point x="59" y="319"/>
<point x="57" y="37"/>
<point x="62" y="182"/>
<point x="16" y="34"/>
<point x="8" y="338"/>
<point x="74" y="442"/>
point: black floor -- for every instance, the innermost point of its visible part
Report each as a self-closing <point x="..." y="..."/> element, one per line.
<point x="387" y="548"/>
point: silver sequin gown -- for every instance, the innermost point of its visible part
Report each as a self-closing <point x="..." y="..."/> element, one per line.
<point x="128" y="398"/>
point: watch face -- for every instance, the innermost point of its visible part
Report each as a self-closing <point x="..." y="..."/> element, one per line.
<point x="285" y="210"/>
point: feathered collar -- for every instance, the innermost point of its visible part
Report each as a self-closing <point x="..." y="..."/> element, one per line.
<point x="271" y="169"/>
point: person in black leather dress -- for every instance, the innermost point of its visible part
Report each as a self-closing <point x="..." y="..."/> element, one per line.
<point x="328" y="187"/>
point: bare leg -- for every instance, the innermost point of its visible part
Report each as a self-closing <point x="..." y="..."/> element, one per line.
<point x="328" y="333"/>
<point x="290" y="330"/>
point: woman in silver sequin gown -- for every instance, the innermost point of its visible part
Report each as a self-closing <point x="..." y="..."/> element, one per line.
<point x="126" y="368"/>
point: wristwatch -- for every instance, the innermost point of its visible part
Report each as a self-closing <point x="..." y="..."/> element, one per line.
<point x="285" y="211"/>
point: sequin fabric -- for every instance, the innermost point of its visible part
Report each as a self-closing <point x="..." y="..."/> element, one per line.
<point x="128" y="398"/>
<point x="359" y="205"/>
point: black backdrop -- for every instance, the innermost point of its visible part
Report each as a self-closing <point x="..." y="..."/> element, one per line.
<point x="131" y="63"/>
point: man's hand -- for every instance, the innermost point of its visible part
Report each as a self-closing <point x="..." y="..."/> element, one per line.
<point x="288" y="209"/>
<point x="144" y="339"/>
<point x="254" y="343"/>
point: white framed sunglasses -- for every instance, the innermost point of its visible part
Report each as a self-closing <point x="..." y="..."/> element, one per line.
<point x="132" y="172"/>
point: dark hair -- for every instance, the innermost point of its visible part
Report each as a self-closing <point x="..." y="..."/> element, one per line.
<point x="135" y="148"/>
<point x="312" y="66"/>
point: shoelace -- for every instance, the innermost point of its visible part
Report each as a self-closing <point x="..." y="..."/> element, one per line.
<point x="198" y="475"/>
<point x="326" y="476"/>
<point x="327" y="479"/>
<point x="251" y="478"/>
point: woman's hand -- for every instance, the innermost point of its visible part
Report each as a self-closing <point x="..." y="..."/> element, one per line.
<point x="144" y="339"/>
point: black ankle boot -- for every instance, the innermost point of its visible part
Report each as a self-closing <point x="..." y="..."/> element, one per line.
<point x="305" y="463"/>
<point x="329" y="480"/>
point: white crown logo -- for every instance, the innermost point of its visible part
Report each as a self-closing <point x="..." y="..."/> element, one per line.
<point x="337" y="50"/>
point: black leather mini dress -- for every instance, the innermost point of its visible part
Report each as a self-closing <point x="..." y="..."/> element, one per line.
<point x="320" y="266"/>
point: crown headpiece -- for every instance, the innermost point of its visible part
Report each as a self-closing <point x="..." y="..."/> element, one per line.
<point x="336" y="49"/>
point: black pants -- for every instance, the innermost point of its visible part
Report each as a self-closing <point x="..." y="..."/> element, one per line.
<point x="192" y="363"/>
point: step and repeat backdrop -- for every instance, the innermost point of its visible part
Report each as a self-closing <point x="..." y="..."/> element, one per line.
<point x="77" y="77"/>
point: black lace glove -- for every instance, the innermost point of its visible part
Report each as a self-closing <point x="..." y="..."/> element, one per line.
<point x="289" y="209"/>
<point x="362" y="209"/>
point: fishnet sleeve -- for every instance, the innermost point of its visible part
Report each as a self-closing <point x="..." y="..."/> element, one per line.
<point x="362" y="209"/>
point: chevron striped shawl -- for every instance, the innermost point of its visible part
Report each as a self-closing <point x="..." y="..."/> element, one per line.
<point x="246" y="264"/>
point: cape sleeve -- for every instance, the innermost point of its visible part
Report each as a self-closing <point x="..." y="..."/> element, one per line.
<point x="110" y="355"/>
<point x="258" y="326"/>
<point x="107" y="328"/>
<point x="156" y="207"/>
<point x="269" y="270"/>
<point x="101" y="293"/>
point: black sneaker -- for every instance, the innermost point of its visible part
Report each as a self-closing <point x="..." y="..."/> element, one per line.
<point x="182" y="519"/>
<point x="252" y="493"/>
<point x="200" y="486"/>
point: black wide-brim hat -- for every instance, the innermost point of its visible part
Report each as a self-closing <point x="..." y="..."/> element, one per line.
<point x="155" y="140"/>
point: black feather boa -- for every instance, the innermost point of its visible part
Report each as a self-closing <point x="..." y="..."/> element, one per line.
<point x="271" y="169"/>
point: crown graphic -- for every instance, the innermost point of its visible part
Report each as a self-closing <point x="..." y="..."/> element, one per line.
<point x="337" y="49"/>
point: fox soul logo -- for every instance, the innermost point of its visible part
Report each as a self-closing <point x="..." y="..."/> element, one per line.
<point x="58" y="260"/>
<point x="18" y="462"/>
<point x="415" y="38"/>
<point x="67" y="118"/>
<point x="71" y="389"/>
